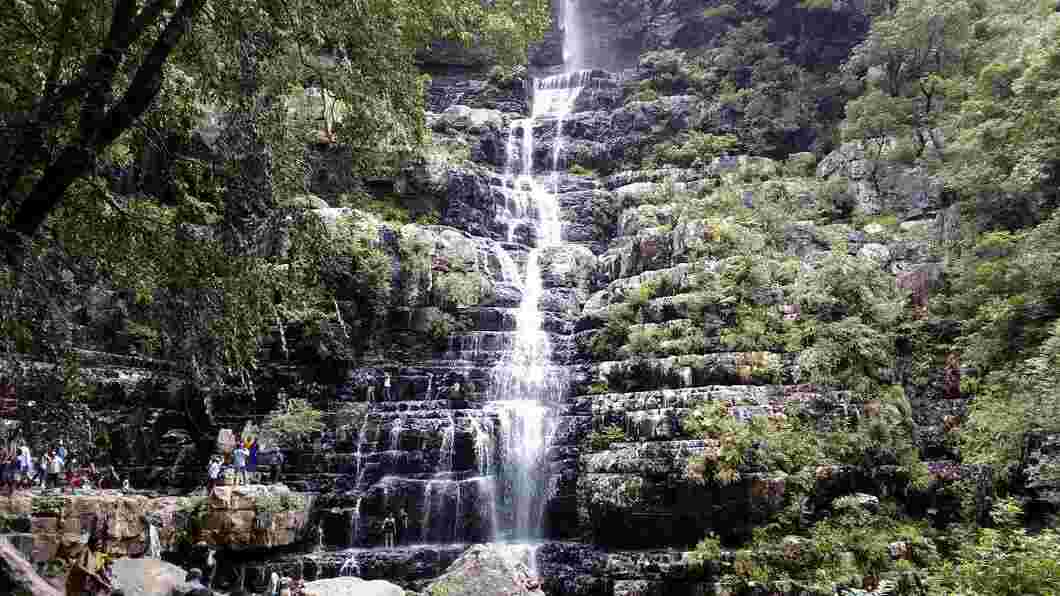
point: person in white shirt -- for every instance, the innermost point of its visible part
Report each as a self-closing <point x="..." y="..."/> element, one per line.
<point x="213" y="472"/>
<point x="386" y="387"/>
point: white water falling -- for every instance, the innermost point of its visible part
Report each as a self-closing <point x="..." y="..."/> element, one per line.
<point x="355" y="522"/>
<point x="395" y="432"/>
<point x="573" y="41"/>
<point x="456" y="516"/>
<point x="350" y="567"/>
<point x="428" y="493"/>
<point x="154" y="546"/>
<point x="445" y="463"/>
<point x="526" y="379"/>
<point x="483" y="433"/>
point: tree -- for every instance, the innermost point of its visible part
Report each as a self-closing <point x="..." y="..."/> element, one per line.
<point x="293" y="426"/>
<point x="83" y="75"/>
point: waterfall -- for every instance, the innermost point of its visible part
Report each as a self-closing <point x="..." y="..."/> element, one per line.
<point x="525" y="379"/>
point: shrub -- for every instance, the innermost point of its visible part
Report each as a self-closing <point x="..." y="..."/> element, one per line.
<point x="580" y="170"/>
<point x="600" y="440"/>
<point x="293" y="426"/>
<point x="694" y="149"/>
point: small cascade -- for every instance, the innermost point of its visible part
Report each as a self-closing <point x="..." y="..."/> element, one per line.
<point x="350" y="567"/>
<point x="428" y="493"/>
<point x="355" y="522"/>
<point x="282" y="331"/>
<point x="358" y="462"/>
<point x="445" y="460"/>
<point x="154" y="546"/>
<point x="456" y="516"/>
<point x="430" y="386"/>
<point x="483" y="434"/>
<point x="395" y="433"/>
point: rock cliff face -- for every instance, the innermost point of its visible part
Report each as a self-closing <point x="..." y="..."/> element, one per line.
<point x="617" y="513"/>
<point x="231" y="518"/>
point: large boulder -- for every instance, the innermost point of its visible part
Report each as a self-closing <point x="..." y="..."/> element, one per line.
<point x="352" y="586"/>
<point x="17" y="575"/>
<point x="488" y="570"/>
<point x="878" y="184"/>
<point x="146" y="577"/>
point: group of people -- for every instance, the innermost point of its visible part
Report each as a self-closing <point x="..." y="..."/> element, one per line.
<point x="55" y="469"/>
<point x="387" y="394"/>
<point x="395" y="531"/>
<point x="244" y="459"/>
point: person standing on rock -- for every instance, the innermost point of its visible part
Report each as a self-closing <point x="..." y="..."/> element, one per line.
<point x="386" y="387"/>
<point x="388" y="531"/>
<point x="239" y="458"/>
<point x="277" y="467"/>
<point x="24" y="466"/>
<point x="51" y="469"/>
<point x="213" y="472"/>
<point x="252" y="457"/>
<point x="402" y="526"/>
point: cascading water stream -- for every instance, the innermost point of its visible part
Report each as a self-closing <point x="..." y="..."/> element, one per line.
<point x="511" y="435"/>
<point x="526" y="380"/>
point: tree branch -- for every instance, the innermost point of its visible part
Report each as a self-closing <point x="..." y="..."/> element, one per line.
<point x="77" y="159"/>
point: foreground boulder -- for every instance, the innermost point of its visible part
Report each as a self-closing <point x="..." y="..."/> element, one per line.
<point x="352" y="586"/>
<point x="489" y="570"/>
<point x="146" y="577"/>
<point x="17" y="575"/>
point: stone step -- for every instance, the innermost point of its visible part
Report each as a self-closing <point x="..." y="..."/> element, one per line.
<point x="627" y="177"/>
<point x="696" y="370"/>
<point x="658" y="415"/>
<point x="681" y="278"/>
<point x="652" y="458"/>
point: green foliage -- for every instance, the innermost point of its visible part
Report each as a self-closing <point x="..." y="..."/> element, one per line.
<point x="48" y="506"/>
<point x="1004" y="560"/>
<point x="598" y="389"/>
<point x="849" y="549"/>
<point x="440" y="329"/>
<point x="601" y="439"/>
<point x="506" y="77"/>
<point x="777" y="441"/>
<point x="696" y="149"/>
<point x="291" y="428"/>
<point x="579" y="170"/>
<point x="279" y="503"/>
<point x="1005" y="294"/>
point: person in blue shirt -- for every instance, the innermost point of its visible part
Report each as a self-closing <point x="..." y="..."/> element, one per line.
<point x="239" y="458"/>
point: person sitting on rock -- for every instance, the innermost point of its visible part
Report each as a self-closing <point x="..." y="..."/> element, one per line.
<point x="388" y="531"/>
